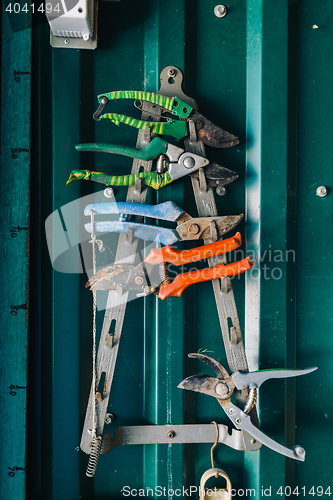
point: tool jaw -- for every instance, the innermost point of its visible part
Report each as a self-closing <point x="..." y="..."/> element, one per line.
<point x="200" y="227"/>
<point x="186" y="164"/>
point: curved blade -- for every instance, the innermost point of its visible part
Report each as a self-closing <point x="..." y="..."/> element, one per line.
<point x="110" y="277"/>
<point x="212" y="135"/>
<point x="200" y="383"/>
<point x="220" y="371"/>
<point x="216" y="175"/>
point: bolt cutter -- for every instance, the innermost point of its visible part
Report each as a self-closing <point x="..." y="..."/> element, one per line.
<point x="224" y="385"/>
<point x="188" y="228"/>
<point x="181" y="163"/>
<point x="124" y="277"/>
<point x="207" y="132"/>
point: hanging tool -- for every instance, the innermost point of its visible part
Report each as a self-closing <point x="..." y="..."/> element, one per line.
<point x="181" y="163"/>
<point x="222" y="387"/>
<point x="207" y="132"/>
<point x="125" y="277"/>
<point x="188" y="228"/>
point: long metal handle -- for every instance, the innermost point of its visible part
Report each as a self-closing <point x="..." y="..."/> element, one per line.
<point x="164" y="211"/>
<point x="257" y="378"/>
<point x="154" y="149"/>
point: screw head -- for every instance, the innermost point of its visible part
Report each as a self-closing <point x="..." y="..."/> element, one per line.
<point x="321" y="191"/>
<point x="238" y="420"/>
<point x="221" y="190"/>
<point x="171" y="434"/>
<point x="189" y="162"/>
<point x="231" y="411"/>
<point x="66" y="41"/>
<point x="221" y="389"/>
<point x="108" y="192"/>
<point x="193" y="229"/>
<point x="138" y="280"/>
<point x="109" y="418"/>
<point x="171" y="72"/>
<point x="220" y="11"/>
<point x="104" y="100"/>
<point x="299" y="451"/>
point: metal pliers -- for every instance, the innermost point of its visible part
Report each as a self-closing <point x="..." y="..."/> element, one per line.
<point x="188" y="228"/>
<point x="207" y="132"/>
<point x="124" y="277"/>
<point x="181" y="163"/>
<point x="222" y="386"/>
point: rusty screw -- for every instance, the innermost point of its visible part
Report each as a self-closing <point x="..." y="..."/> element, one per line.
<point x="172" y="72"/>
<point x="109" y="418"/>
<point x="220" y="11"/>
<point x="221" y="389"/>
<point x="193" y="229"/>
<point x="221" y="190"/>
<point x="171" y="434"/>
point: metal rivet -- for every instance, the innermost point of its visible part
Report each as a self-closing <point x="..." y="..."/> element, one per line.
<point x="193" y="229"/>
<point x="321" y="191"/>
<point x="220" y="11"/>
<point x="171" y="434"/>
<point x="221" y="389"/>
<point x="108" y="193"/>
<point x="66" y="41"/>
<point x="189" y="162"/>
<point x="138" y="280"/>
<point x="221" y="190"/>
<point x="171" y="72"/>
<point x="253" y="441"/>
<point x="238" y="420"/>
<point x="299" y="451"/>
<point x="231" y="411"/>
<point x="109" y="418"/>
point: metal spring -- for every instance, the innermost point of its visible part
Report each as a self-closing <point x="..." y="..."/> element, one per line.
<point x="94" y="456"/>
<point x="251" y="400"/>
<point x="164" y="274"/>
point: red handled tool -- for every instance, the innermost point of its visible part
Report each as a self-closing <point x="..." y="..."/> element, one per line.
<point x="124" y="277"/>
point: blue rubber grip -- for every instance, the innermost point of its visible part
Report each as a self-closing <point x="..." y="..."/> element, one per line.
<point x="142" y="231"/>
<point x="165" y="211"/>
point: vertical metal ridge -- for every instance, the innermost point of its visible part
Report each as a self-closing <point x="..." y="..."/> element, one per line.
<point x="252" y="206"/>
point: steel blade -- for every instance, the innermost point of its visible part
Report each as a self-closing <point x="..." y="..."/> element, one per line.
<point x="212" y="135"/>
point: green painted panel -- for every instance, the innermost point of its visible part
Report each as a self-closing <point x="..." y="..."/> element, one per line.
<point x="262" y="73"/>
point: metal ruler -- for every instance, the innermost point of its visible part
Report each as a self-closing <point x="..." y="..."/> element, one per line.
<point x="14" y="245"/>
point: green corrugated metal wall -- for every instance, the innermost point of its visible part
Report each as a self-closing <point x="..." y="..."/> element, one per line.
<point x="264" y="73"/>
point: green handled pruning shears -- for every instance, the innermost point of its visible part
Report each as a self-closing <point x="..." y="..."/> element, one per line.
<point x="207" y="132"/>
<point x="181" y="163"/>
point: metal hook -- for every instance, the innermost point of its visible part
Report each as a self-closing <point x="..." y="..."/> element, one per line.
<point x="214" y="445"/>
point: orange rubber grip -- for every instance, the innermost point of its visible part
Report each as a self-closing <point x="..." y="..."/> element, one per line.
<point x="179" y="257"/>
<point x="176" y="288"/>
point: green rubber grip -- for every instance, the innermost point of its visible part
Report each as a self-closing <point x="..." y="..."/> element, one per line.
<point x="173" y="104"/>
<point x="154" y="149"/>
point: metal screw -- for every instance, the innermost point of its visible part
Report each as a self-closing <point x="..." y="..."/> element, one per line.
<point x="66" y="41"/>
<point x="221" y="190"/>
<point x="220" y="11"/>
<point x="238" y="420"/>
<point x="104" y="100"/>
<point x="299" y="451"/>
<point x="172" y="72"/>
<point x="171" y="434"/>
<point x="321" y="191"/>
<point x="109" y="418"/>
<point x="253" y="441"/>
<point x="231" y="411"/>
<point x="221" y="389"/>
<point x="189" y="162"/>
<point x="138" y="280"/>
<point x="108" y="193"/>
<point x="193" y="229"/>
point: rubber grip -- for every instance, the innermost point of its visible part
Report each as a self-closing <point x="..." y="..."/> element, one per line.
<point x="154" y="149"/>
<point x="180" y="257"/>
<point x="176" y="288"/>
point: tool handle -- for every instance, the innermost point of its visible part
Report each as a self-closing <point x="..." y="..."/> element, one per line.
<point x="180" y="257"/>
<point x="173" y="104"/>
<point x="176" y="129"/>
<point x="165" y="211"/>
<point x="176" y="288"/>
<point x="154" y="149"/>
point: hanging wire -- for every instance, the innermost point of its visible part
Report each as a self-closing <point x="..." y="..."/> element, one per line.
<point x="212" y="448"/>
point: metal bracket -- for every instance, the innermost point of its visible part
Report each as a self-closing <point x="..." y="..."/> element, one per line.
<point x="129" y="236"/>
<point x="176" y="434"/>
